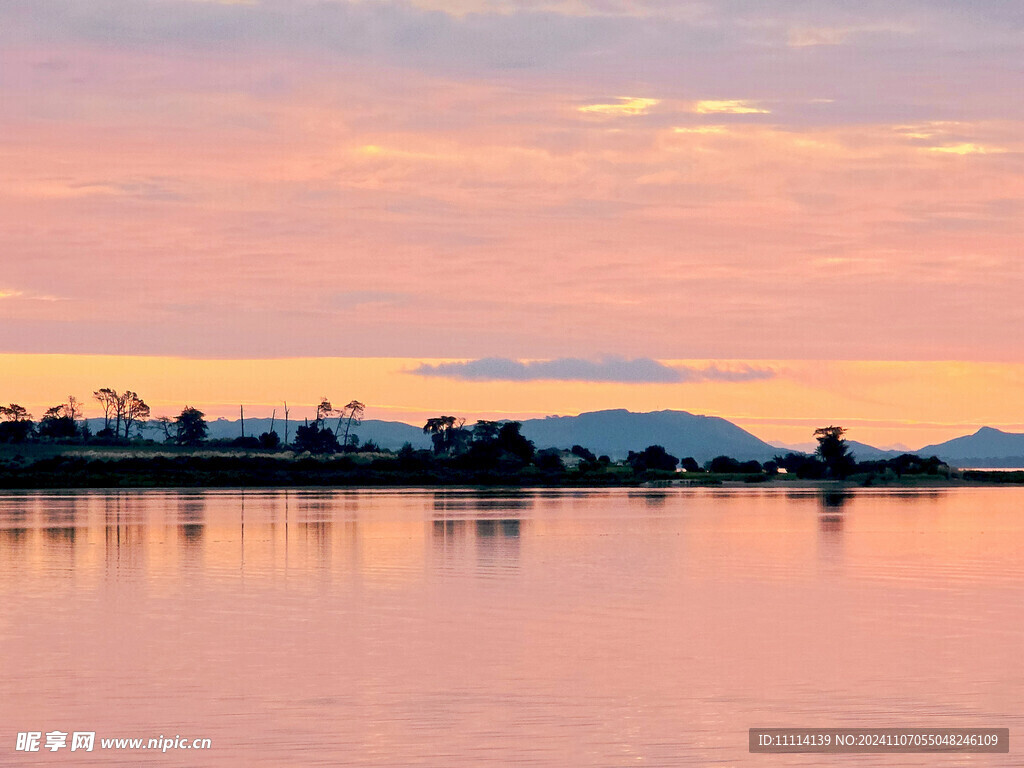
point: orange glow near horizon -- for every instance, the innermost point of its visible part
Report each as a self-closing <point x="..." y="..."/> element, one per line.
<point x="882" y="403"/>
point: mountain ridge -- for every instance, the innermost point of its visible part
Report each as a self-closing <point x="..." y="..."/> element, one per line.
<point x="616" y="431"/>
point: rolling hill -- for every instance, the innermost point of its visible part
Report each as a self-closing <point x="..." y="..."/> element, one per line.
<point x="616" y="432"/>
<point x="988" y="447"/>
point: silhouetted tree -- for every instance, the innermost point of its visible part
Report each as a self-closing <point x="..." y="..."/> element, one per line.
<point x="131" y="409"/>
<point x="550" y="460"/>
<point x="191" y="426"/>
<point x="906" y="464"/>
<point x="270" y="440"/>
<point x="409" y="459"/>
<point x="57" y="424"/>
<point x="833" y="451"/>
<point x="482" y="455"/>
<point x="165" y="423"/>
<point x="14" y="412"/>
<point x="440" y="429"/>
<point x="485" y="431"/>
<point x="690" y="464"/>
<point x="313" y="438"/>
<point x="512" y="441"/>
<point x="723" y="464"/>
<point x="802" y="465"/>
<point x="652" y="457"/>
<point x="495" y="446"/>
<point x="15" y="424"/>
<point x="352" y="414"/>
<point x="107" y="398"/>
<point x="584" y="453"/>
<point x="323" y="412"/>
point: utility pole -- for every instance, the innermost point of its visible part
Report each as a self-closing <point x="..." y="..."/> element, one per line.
<point x="241" y="414"/>
<point x="286" y="422"/>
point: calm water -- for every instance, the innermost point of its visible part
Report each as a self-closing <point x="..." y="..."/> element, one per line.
<point x="450" y="628"/>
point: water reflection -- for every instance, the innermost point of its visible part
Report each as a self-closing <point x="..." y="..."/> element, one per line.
<point x="12" y="539"/>
<point x="450" y="503"/>
<point x="830" y="518"/>
<point x="497" y="544"/>
<point x="60" y="535"/>
<point x="124" y="531"/>
<point x="578" y="628"/>
<point x="491" y="543"/>
<point x="190" y="514"/>
<point x="652" y="498"/>
<point x="449" y="530"/>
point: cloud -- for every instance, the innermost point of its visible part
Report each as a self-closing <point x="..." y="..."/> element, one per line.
<point x="967" y="148"/>
<point x="728" y="107"/>
<point x="639" y="370"/>
<point x="10" y="293"/>
<point x="627" y="105"/>
<point x="160" y="190"/>
<point x="738" y="373"/>
<point x="806" y="37"/>
<point x="701" y="129"/>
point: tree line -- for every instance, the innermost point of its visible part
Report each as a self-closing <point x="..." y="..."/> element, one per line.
<point x="126" y="416"/>
<point x="484" y="446"/>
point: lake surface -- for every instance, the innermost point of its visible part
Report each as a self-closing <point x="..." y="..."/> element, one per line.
<point x="552" y="628"/>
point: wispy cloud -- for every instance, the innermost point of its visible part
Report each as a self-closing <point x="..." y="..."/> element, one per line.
<point x="967" y="148"/>
<point x="738" y="373"/>
<point x="811" y="36"/>
<point x="10" y="293"/>
<point x="640" y="370"/>
<point x="729" y="107"/>
<point x="700" y="129"/>
<point x="624" y="106"/>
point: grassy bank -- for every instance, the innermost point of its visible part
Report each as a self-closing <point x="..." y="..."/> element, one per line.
<point x="221" y="469"/>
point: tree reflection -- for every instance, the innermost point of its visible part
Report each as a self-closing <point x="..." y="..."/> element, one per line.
<point x="191" y="520"/>
<point x="497" y="542"/>
<point x="830" y="516"/>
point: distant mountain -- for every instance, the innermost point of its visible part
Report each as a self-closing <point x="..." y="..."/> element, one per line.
<point x="865" y="452"/>
<point x="387" y="434"/>
<point x="784" y="448"/>
<point x="617" y="432"/>
<point x="614" y="432"/>
<point x="988" y="447"/>
<point x="860" y="451"/>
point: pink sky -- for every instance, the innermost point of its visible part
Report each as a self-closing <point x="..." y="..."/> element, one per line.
<point x="526" y="180"/>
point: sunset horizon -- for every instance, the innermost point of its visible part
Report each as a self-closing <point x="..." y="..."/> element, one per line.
<point x="485" y="383"/>
<point x="883" y="403"/>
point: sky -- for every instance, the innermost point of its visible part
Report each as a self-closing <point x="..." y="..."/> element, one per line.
<point x="783" y="213"/>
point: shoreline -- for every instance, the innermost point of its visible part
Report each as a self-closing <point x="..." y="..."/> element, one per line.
<point x="57" y="468"/>
<point x="148" y="483"/>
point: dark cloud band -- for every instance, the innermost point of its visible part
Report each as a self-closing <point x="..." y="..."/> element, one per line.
<point x="641" y="370"/>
